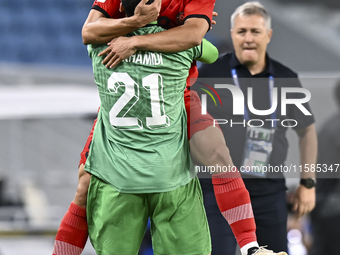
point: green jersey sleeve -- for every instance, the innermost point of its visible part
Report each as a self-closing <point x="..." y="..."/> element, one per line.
<point x="94" y="49"/>
<point x="90" y="50"/>
<point x="209" y="53"/>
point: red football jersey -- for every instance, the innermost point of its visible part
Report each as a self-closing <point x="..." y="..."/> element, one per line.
<point x="173" y="12"/>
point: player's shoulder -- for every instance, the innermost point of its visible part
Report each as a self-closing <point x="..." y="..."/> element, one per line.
<point x="148" y="29"/>
<point x="94" y="49"/>
<point x="109" y="8"/>
<point x="282" y="70"/>
<point x="198" y="2"/>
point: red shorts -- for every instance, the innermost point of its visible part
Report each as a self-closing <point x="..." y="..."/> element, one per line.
<point x="196" y="121"/>
<point x="85" y="152"/>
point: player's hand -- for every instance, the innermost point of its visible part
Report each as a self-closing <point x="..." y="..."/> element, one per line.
<point x="118" y="49"/>
<point x="213" y="22"/>
<point x="303" y="200"/>
<point x="147" y="13"/>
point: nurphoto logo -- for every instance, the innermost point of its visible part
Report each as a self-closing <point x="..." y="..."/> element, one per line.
<point x="239" y="104"/>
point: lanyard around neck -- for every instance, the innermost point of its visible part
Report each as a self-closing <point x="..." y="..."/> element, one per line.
<point x="270" y="88"/>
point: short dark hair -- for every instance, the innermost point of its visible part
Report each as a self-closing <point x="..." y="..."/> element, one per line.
<point x="130" y="6"/>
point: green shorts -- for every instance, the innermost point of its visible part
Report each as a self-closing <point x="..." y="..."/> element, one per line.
<point x="117" y="221"/>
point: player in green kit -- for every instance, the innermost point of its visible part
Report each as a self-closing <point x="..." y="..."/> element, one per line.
<point x="139" y="157"/>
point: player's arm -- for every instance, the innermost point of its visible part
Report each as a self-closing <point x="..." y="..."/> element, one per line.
<point x="99" y="29"/>
<point x="172" y="40"/>
<point x="209" y="52"/>
<point x="308" y="149"/>
<point x="197" y="21"/>
<point x="304" y="199"/>
<point x="180" y="38"/>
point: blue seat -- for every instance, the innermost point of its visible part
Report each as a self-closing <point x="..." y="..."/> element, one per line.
<point x="43" y="31"/>
<point x="5" y="20"/>
<point x="30" y="20"/>
<point x="65" y="5"/>
<point x="10" y="47"/>
<point x="12" y="5"/>
<point x="53" y="22"/>
<point x="37" y="4"/>
<point x="33" y="48"/>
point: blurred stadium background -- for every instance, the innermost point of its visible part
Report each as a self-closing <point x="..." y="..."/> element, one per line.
<point x="48" y="100"/>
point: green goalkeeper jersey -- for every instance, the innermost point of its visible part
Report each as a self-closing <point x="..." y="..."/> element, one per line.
<point x="140" y="142"/>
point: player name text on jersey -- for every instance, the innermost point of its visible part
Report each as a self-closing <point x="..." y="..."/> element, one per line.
<point x="146" y="58"/>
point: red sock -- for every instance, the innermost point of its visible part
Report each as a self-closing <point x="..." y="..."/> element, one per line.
<point x="233" y="201"/>
<point x="72" y="233"/>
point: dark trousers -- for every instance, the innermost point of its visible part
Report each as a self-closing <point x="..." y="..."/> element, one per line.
<point x="326" y="235"/>
<point x="270" y="213"/>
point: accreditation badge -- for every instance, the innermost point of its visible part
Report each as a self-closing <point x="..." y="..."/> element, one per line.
<point x="257" y="150"/>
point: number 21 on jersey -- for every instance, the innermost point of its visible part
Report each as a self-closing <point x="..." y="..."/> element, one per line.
<point x="153" y="84"/>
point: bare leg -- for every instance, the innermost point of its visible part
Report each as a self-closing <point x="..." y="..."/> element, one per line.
<point x="208" y="147"/>
<point x="72" y="233"/>
<point x="80" y="198"/>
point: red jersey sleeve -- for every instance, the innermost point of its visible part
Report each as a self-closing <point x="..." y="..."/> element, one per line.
<point x="110" y="8"/>
<point x="199" y="9"/>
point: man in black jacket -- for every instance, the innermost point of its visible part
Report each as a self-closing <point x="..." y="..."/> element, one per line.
<point x="264" y="147"/>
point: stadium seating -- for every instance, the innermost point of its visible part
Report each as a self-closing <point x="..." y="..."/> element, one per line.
<point x="40" y="31"/>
